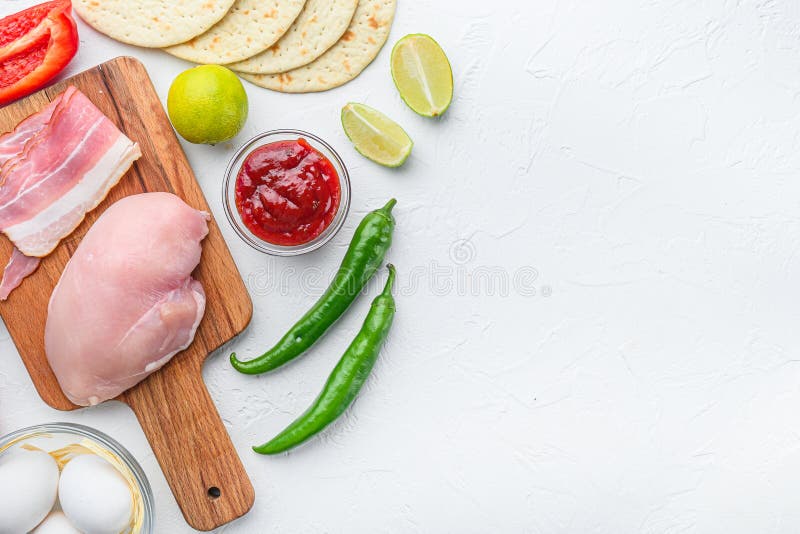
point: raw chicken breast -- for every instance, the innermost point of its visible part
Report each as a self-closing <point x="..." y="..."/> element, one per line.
<point x="126" y="302"/>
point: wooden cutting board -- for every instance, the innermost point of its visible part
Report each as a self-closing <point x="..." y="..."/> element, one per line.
<point x="172" y="405"/>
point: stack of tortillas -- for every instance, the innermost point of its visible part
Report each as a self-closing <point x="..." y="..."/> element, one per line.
<point x="294" y="46"/>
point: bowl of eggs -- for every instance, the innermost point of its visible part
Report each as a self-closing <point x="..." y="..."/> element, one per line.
<point x="63" y="478"/>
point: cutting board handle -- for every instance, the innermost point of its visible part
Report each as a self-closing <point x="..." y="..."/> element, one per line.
<point x="191" y="444"/>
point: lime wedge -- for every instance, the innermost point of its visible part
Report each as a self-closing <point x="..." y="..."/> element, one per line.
<point x="375" y="135"/>
<point x="422" y="74"/>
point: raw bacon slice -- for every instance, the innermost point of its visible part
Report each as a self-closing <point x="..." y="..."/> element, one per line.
<point x="63" y="172"/>
<point x="65" y="160"/>
<point x="13" y="142"/>
<point x="15" y="272"/>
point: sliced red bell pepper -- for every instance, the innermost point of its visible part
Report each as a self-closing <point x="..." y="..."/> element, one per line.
<point x="35" y="45"/>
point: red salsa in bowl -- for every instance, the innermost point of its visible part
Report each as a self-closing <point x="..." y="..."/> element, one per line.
<point x="286" y="192"/>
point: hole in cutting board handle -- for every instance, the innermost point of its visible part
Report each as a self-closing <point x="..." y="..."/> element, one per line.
<point x="214" y="492"/>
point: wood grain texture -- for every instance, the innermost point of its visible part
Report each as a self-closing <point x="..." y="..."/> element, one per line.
<point x="173" y="406"/>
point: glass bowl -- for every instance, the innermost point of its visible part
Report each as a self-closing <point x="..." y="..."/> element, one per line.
<point x="229" y="193"/>
<point x="52" y="436"/>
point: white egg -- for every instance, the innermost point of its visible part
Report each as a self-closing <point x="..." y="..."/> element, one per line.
<point x="28" y="486"/>
<point x="94" y="496"/>
<point x="56" y="523"/>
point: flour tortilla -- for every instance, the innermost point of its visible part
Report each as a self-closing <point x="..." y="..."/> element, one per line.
<point x="250" y="27"/>
<point x="345" y="60"/>
<point x="319" y="26"/>
<point x="152" y="23"/>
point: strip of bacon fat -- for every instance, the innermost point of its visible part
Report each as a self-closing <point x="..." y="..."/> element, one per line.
<point x="65" y="160"/>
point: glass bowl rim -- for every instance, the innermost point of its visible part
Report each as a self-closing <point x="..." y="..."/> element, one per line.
<point x="232" y="170"/>
<point x="107" y="441"/>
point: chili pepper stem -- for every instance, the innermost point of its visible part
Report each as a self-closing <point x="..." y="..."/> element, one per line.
<point x="389" y="205"/>
<point x="387" y="289"/>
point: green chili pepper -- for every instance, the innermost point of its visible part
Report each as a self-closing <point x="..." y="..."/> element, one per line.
<point x="345" y="380"/>
<point x="365" y="254"/>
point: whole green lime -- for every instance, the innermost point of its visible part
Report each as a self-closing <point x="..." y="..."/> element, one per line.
<point x="207" y="104"/>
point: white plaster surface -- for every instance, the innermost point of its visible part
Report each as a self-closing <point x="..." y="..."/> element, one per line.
<point x="631" y="168"/>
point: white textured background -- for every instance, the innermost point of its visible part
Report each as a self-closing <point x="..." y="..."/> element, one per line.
<point x="642" y="157"/>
